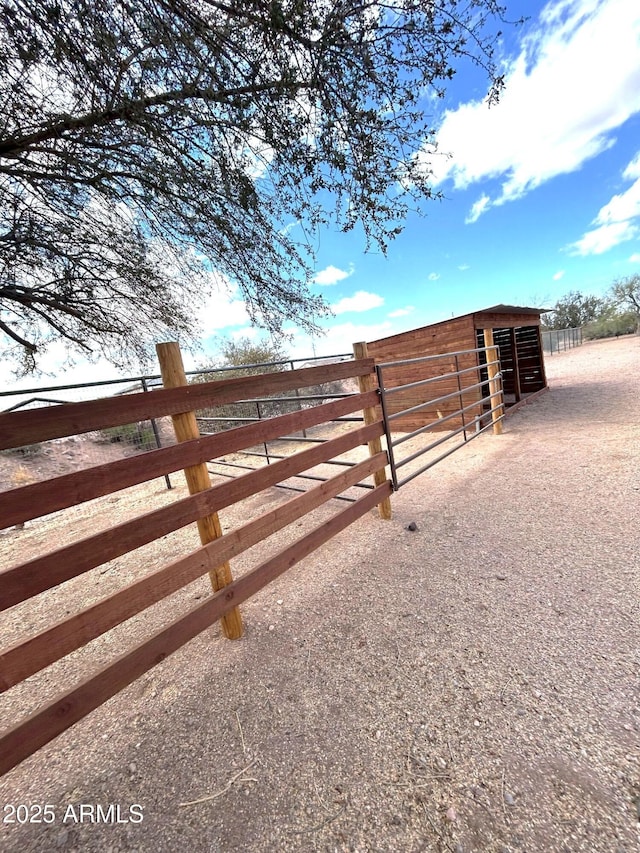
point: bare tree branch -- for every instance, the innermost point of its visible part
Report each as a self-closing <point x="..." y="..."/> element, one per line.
<point x="151" y="147"/>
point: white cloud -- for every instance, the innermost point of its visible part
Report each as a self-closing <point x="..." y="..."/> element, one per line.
<point x="633" y="169"/>
<point x="602" y="239"/>
<point x="401" y="312"/>
<point x="622" y="207"/>
<point x="559" y="108"/>
<point x="58" y="370"/>
<point x="433" y="276"/>
<point x="289" y="227"/>
<point x="360" y="301"/>
<point x="558" y="275"/>
<point x="332" y="275"/>
<point x="483" y="203"/>
<point x="246" y="332"/>
<point x="338" y="339"/>
<point x="616" y="222"/>
<point x="221" y="310"/>
<point x="635" y="258"/>
<point x="463" y="267"/>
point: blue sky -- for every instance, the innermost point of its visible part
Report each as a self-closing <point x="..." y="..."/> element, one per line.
<point x="541" y="193"/>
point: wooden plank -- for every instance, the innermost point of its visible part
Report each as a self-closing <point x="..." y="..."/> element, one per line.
<point x="28" y="657"/>
<point x="486" y="320"/>
<point x="198" y="480"/>
<point x="497" y="398"/>
<point x="516" y="365"/>
<point x="35" y="425"/>
<point x="37" y="499"/>
<point x="21" y="582"/>
<point x="43" y="725"/>
<point x="371" y="415"/>
<point x="526" y="400"/>
<point x="425" y="335"/>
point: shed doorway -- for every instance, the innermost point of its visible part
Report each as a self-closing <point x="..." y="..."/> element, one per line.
<point x="521" y="361"/>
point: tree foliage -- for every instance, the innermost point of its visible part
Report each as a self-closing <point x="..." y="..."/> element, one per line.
<point x="625" y="292"/>
<point x="617" y="313"/>
<point x="245" y="353"/>
<point x="574" y="310"/>
<point x="241" y="357"/>
<point x="146" y="143"/>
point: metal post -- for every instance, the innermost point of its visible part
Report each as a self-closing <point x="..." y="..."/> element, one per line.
<point x="156" y="434"/>
<point x="264" y="443"/>
<point x="387" y="429"/>
<point x="464" y="430"/>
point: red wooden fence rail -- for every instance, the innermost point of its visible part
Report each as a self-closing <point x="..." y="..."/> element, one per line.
<point x="19" y="583"/>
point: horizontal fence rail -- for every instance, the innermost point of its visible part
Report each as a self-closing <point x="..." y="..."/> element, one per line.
<point x="37" y="499"/>
<point x="449" y="399"/>
<point x="127" y="440"/>
<point x="42" y="645"/>
<point x="25" y="427"/>
<point x="154" y="380"/>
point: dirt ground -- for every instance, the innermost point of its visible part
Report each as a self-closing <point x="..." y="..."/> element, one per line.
<point x="469" y="686"/>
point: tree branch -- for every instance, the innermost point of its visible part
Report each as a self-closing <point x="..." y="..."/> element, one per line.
<point x="30" y="347"/>
<point x="129" y="109"/>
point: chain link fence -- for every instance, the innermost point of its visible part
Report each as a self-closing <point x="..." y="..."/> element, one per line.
<point x="559" y="340"/>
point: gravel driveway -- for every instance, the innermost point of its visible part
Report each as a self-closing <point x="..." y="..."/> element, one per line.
<point x="470" y="686"/>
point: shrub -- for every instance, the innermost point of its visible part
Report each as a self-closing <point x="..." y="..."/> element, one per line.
<point x="610" y="327"/>
<point x="25" y="452"/>
<point x="138" y="435"/>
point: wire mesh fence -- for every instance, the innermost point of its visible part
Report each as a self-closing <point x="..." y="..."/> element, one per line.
<point x="559" y="340"/>
<point x="32" y="463"/>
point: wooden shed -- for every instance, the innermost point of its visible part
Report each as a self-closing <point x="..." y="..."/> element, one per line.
<point x="516" y="332"/>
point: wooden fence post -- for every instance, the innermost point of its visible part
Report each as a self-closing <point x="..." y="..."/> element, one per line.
<point x="366" y="383"/>
<point x="198" y="479"/>
<point x="497" y="397"/>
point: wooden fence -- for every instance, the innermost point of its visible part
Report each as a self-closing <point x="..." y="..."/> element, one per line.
<point x="21" y="582"/>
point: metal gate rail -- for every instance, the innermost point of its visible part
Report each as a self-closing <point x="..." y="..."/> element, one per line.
<point x="488" y="407"/>
<point x="259" y="402"/>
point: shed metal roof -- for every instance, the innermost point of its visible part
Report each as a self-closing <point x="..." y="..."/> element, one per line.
<point x="510" y="309"/>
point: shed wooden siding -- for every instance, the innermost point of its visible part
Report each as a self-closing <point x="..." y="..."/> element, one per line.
<point x="498" y="320"/>
<point x="448" y="336"/>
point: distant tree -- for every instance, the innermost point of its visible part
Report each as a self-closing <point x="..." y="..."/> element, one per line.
<point x="243" y="357"/>
<point x="144" y="143"/>
<point x="575" y="310"/>
<point x="625" y="292"/>
<point x="241" y="352"/>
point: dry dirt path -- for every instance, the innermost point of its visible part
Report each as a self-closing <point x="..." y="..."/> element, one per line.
<point x="471" y="686"/>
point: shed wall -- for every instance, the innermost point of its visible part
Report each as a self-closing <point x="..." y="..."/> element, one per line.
<point x="449" y="336"/>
